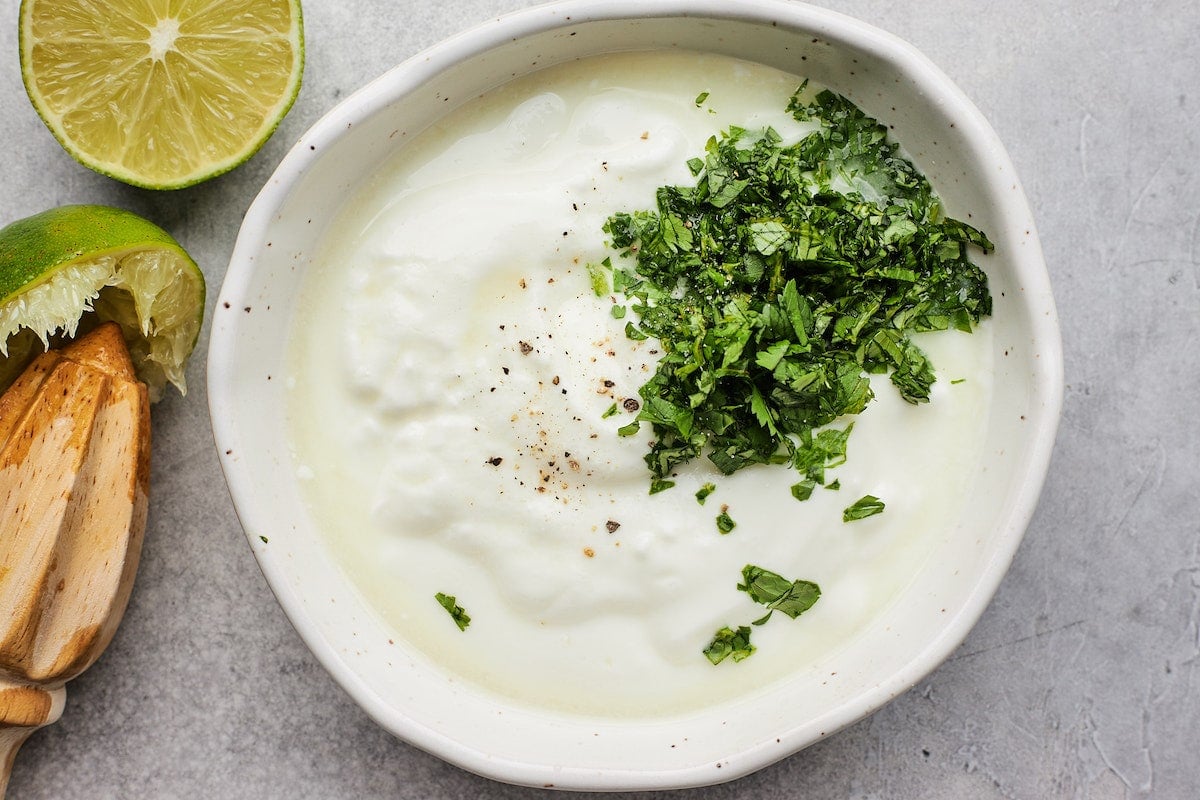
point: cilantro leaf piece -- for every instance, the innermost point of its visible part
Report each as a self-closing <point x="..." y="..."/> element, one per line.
<point x="704" y="491"/>
<point x="804" y="489"/>
<point x="598" y="275"/>
<point x="727" y="193"/>
<point x="767" y="236"/>
<point x="913" y="376"/>
<point x="728" y="642"/>
<point x="824" y="451"/>
<point x="866" y="506"/>
<point x="777" y="593"/>
<point x="798" y="311"/>
<point x="725" y="523"/>
<point x="630" y="429"/>
<point x="665" y="414"/>
<point x="456" y="612"/>
<point x="769" y="358"/>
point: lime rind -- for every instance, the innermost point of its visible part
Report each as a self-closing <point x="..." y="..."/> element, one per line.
<point x="31" y="249"/>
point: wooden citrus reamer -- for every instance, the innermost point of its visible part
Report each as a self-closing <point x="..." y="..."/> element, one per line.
<point x="74" y="478"/>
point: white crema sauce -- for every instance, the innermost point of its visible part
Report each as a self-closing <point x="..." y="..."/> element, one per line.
<point x="451" y="372"/>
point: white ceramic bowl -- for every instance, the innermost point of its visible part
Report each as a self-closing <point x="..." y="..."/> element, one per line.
<point x="949" y="140"/>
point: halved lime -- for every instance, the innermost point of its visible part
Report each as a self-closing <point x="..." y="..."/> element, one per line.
<point x="67" y="269"/>
<point x="161" y="93"/>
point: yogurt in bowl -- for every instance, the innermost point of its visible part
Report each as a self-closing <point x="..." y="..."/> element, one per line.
<point x="454" y="371"/>
<point x="446" y="389"/>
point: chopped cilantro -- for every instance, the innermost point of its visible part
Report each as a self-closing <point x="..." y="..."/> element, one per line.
<point x="834" y="486"/>
<point x="618" y="312"/>
<point x="700" y="98"/>
<point x="658" y="485"/>
<point x="630" y="429"/>
<point x="782" y="278"/>
<point x="631" y="332"/>
<point x="456" y="612"/>
<point x="725" y="523"/>
<point x="598" y="274"/>
<point x="817" y="453"/>
<point x="866" y="506"/>
<point x="704" y="491"/>
<point x="804" y="489"/>
<point x="611" y="411"/>
<point x="771" y="590"/>
<point x="728" y="642"/>
<point x="777" y="593"/>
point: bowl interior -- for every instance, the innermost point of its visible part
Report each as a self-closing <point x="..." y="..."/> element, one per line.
<point x="944" y="135"/>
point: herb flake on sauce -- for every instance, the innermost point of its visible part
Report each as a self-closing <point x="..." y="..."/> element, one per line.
<point x="866" y="506"/>
<point x="727" y="642"/>
<point x="456" y="612"/>
<point x="771" y="590"/>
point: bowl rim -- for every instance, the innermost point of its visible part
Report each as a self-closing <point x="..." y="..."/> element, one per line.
<point x="401" y="80"/>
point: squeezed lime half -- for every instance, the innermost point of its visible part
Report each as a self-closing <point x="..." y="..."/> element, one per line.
<point x="65" y="270"/>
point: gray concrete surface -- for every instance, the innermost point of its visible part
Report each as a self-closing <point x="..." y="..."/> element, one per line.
<point x="1080" y="681"/>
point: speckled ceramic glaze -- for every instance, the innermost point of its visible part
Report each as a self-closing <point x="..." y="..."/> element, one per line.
<point x="945" y="135"/>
